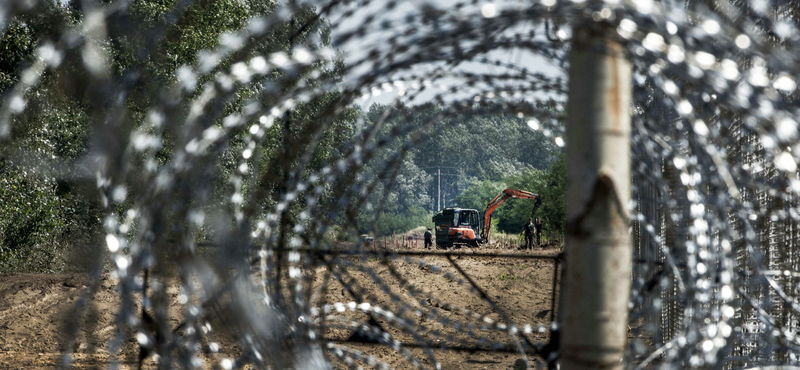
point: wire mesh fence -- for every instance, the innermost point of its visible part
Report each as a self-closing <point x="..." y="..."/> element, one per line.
<point x="251" y="140"/>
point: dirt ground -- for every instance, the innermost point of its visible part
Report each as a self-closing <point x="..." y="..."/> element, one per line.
<point x="438" y="302"/>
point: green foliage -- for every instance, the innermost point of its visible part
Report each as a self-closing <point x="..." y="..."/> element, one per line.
<point x="40" y="219"/>
<point x="514" y="213"/>
<point x="551" y="186"/>
<point x="30" y="222"/>
<point x="23" y="33"/>
<point x="397" y="223"/>
<point x="511" y="277"/>
<point x="480" y="153"/>
<point x="479" y="193"/>
<point x="486" y="145"/>
<point x="519" y="210"/>
<point x="49" y="214"/>
<point x="403" y="199"/>
<point x="554" y="206"/>
<point x="40" y="216"/>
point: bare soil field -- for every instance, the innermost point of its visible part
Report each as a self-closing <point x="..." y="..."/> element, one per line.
<point x="433" y="297"/>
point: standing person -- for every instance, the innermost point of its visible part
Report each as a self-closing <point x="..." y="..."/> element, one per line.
<point x="538" y="225"/>
<point x="528" y="229"/>
<point x="428" y="238"/>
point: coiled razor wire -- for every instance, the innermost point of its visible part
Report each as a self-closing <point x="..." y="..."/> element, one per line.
<point x="715" y="140"/>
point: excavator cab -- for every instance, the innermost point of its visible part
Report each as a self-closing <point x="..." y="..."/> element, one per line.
<point x="457" y="226"/>
<point x="470" y="227"/>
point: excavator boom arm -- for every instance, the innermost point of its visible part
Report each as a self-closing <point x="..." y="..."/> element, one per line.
<point x="499" y="200"/>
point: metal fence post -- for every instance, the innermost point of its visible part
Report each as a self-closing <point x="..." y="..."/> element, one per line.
<point x="598" y="252"/>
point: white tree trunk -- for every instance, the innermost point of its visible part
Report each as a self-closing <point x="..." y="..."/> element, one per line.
<point x="595" y="312"/>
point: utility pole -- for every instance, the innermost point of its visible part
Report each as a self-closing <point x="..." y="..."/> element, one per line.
<point x="598" y="253"/>
<point x="439" y="192"/>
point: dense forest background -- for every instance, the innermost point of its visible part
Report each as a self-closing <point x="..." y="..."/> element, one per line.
<point x="51" y="219"/>
<point x="478" y="155"/>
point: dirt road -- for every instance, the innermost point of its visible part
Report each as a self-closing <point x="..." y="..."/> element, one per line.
<point x="442" y="306"/>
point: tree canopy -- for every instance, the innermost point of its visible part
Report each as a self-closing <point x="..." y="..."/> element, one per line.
<point x="478" y="154"/>
<point x="50" y="217"/>
<point x="49" y="212"/>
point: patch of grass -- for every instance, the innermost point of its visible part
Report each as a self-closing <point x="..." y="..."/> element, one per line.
<point x="417" y="230"/>
<point x="504" y="277"/>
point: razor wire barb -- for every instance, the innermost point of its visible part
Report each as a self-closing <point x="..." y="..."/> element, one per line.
<point x="715" y="142"/>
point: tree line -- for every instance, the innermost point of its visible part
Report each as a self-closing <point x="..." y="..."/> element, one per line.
<point x="50" y="214"/>
<point x="480" y="153"/>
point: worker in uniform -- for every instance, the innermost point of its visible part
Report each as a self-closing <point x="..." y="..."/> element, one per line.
<point x="528" y="229"/>
<point x="428" y="238"/>
<point x="538" y="226"/>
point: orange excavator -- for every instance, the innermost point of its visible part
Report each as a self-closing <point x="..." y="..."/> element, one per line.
<point x="466" y="226"/>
